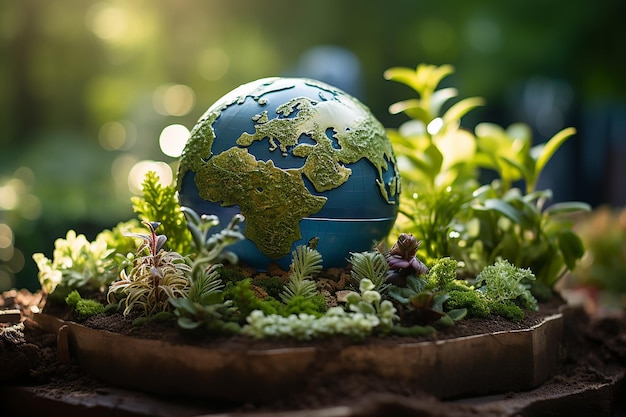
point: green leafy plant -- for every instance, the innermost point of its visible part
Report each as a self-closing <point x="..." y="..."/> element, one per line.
<point x="213" y="315"/>
<point x="76" y="263"/>
<point x="602" y="269"/>
<point x="369" y="265"/>
<point x="444" y="203"/>
<point x="306" y="263"/>
<point x="211" y="248"/>
<point x="159" y="203"/>
<point x="156" y="276"/>
<point x="423" y="304"/>
<point x="507" y="288"/>
<point x="366" y="315"/>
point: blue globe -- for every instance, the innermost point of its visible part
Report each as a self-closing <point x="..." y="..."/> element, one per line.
<point x="302" y="161"/>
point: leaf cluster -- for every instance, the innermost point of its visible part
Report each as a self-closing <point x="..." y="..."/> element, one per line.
<point x="370" y="265"/>
<point x="156" y="276"/>
<point x="443" y="201"/>
<point x="77" y="263"/>
<point x="423" y="299"/>
<point x="213" y="315"/>
<point x="159" y="203"/>
<point x="507" y="288"/>
<point x="306" y="263"/>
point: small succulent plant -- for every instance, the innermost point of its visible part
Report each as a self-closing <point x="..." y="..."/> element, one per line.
<point x="402" y="260"/>
<point x="156" y="276"/>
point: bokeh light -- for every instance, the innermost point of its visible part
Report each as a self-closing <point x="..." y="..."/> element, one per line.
<point x="140" y="169"/>
<point x="173" y="99"/>
<point x="213" y="64"/>
<point x="117" y="135"/>
<point x="107" y="22"/>
<point x="173" y="140"/>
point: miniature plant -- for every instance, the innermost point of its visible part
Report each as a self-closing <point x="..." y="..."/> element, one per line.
<point x="214" y="315"/>
<point x="211" y="248"/>
<point x="402" y="261"/>
<point x="518" y="228"/>
<point x="367" y="314"/>
<point x="84" y="307"/>
<point x="444" y="203"/>
<point x="76" y="263"/>
<point x="159" y="203"/>
<point x="306" y="263"/>
<point x="370" y="265"/>
<point x="156" y="276"/>
<point x="507" y="288"/>
<point x="424" y="304"/>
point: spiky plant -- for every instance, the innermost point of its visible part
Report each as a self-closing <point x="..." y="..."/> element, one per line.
<point x="369" y="265"/>
<point x="156" y="276"/>
<point x="306" y="263"/>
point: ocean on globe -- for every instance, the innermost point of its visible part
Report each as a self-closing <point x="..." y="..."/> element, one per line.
<point x="302" y="161"/>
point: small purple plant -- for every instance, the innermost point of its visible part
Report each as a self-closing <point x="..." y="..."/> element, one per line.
<point x="402" y="261"/>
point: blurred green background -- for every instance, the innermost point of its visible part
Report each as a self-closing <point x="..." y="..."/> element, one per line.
<point x="94" y="93"/>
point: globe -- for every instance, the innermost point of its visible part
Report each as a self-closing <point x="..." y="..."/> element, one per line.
<point x="305" y="164"/>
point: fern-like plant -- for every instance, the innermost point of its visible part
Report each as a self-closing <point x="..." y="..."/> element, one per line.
<point x="306" y="263"/>
<point x="370" y="265"/>
<point x="159" y="203"/>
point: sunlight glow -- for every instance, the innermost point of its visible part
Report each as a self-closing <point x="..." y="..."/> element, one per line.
<point x="139" y="170"/>
<point x="173" y="140"/>
<point x="434" y="126"/>
<point x="107" y="22"/>
<point x="6" y="236"/>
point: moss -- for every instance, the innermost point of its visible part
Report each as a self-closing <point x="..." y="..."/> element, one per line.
<point x="272" y="285"/>
<point x="508" y="310"/>
<point x="475" y="303"/>
<point x="246" y="301"/>
<point x="84" y="307"/>
<point x="231" y="275"/>
<point x="315" y="306"/>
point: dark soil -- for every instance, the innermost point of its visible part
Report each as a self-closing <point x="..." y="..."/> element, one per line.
<point x="594" y="351"/>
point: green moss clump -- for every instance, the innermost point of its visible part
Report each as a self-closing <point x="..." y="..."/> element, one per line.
<point x="508" y="310"/>
<point x="272" y="285"/>
<point x="315" y="306"/>
<point x="232" y="275"/>
<point x="475" y="303"/>
<point x="84" y="307"/>
<point x="245" y="300"/>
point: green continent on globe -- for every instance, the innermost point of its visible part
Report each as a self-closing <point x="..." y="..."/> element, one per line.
<point x="272" y="200"/>
<point x="356" y="133"/>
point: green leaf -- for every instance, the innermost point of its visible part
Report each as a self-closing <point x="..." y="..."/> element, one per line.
<point x="399" y="294"/>
<point x="548" y="149"/>
<point x="405" y="76"/>
<point x="439" y="97"/>
<point x="567" y="207"/>
<point x="571" y="247"/>
<point x="460" y="109"/>
<point x="502" y="207"/>
<point x="188" y="323"/>
<point x="416" y="284"/>
<point x="457" y="314"/>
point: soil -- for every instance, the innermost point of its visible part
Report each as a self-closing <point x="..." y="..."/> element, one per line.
<point x="594" y="354"/>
